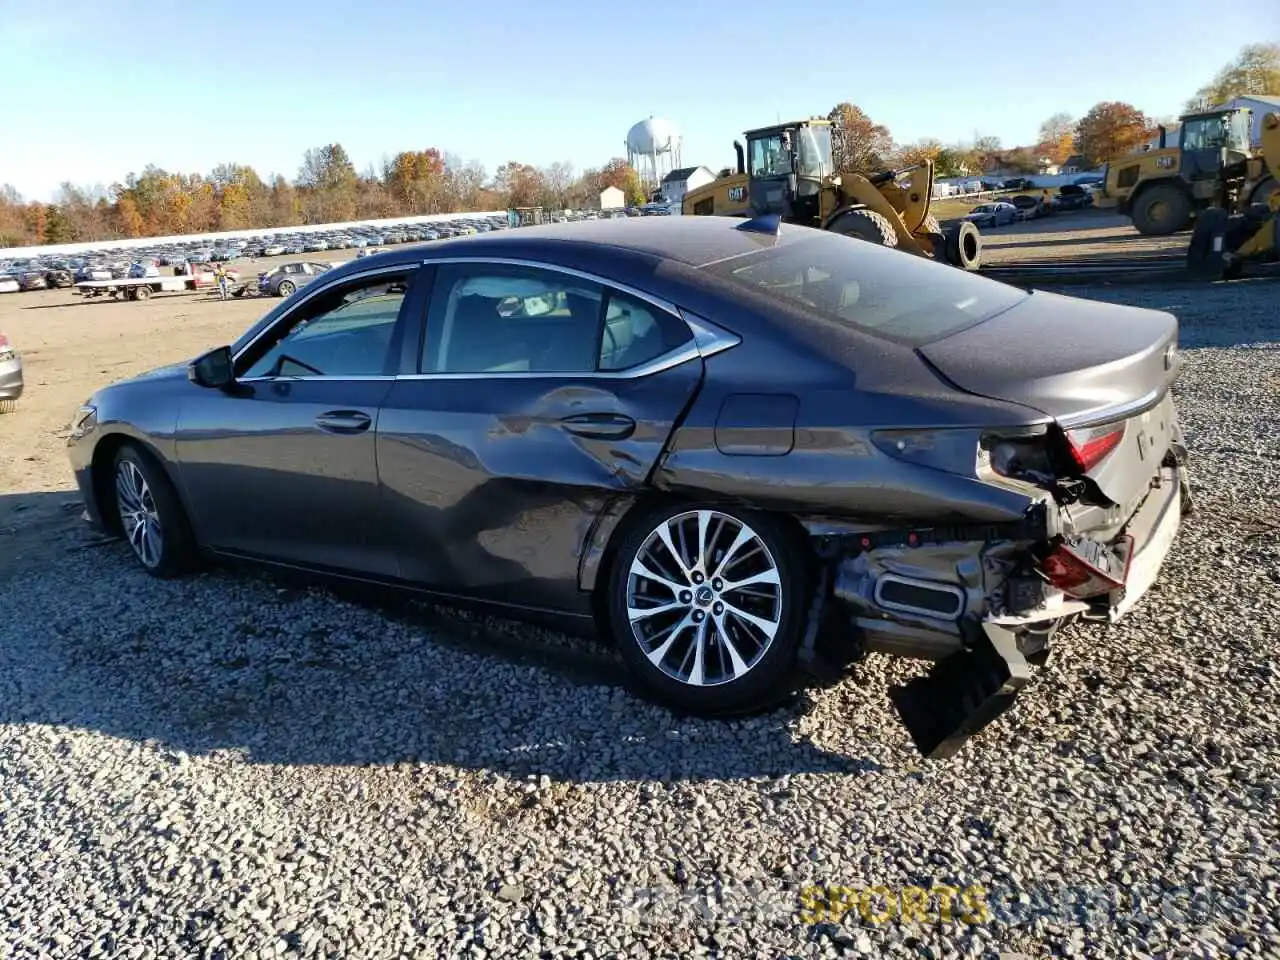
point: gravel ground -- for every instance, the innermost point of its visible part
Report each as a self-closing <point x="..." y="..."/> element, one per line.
<point x="236" y="766"/>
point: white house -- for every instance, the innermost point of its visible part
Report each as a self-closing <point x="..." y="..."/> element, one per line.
<point x="612" y="198"/>
<point x="679" y="182"/>
<point x="1260" y="105"/>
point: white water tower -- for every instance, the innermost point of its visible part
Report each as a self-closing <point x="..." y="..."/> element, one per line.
<point x="653" y="150"/>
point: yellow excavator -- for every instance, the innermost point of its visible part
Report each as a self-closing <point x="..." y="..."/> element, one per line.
<point x="787" y="170"/>
<point x="1225" y="239"/>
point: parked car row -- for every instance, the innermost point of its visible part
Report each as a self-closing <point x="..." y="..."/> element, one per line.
<point x="998" y="213"/>
<point x="42" y="272"/>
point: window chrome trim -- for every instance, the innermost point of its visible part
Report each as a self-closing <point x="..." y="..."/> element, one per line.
<point x="664" y="305"/>
<point x="310" y="292"/>
<point x="708" y="338"/>
<point x="283" y="379"/>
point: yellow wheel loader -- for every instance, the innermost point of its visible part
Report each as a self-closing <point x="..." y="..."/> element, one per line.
<point x="1162" y="190"/>
<point x="787" y="170"/>
<point x="1223" y="241"/>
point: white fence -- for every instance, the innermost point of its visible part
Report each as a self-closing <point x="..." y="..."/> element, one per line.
<point x="134" y="242"/>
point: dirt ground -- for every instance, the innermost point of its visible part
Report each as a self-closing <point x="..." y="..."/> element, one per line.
<point x="72" y="346"/>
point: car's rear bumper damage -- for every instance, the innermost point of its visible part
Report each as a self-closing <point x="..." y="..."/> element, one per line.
<point x="982" y="601"/>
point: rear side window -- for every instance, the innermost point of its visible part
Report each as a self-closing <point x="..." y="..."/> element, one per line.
<point x="863" y="286"/>
<point x="500" y="318"/>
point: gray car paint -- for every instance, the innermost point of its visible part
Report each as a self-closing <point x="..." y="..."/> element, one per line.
<point x="438" y="495"/>
<point x="11" y="381"/>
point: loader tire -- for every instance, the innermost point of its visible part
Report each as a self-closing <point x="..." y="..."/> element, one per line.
<point x="1203" y="261"/>
<point x="964" y="246"/>
<point x="865" y="225"/>
<point x="930" y="225"/>
<point x="1161" y="210"/>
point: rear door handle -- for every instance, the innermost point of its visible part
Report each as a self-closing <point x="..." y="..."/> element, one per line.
<point x="344" y="421"/>
<point x="600" y="426"/>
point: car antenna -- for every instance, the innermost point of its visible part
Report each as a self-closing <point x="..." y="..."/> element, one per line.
<point x="764" y="223"/>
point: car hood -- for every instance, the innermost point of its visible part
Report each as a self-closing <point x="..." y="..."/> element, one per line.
<point x="1064" y="356"/>
<point x="174" y="371"/>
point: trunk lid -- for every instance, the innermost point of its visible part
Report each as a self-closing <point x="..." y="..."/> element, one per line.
<point x="1085" y="363"/>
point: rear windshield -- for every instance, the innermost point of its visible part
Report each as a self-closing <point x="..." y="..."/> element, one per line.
<point x="864" y="286"/>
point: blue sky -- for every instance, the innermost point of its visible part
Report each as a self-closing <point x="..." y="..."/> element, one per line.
<point x="93" y="94"/>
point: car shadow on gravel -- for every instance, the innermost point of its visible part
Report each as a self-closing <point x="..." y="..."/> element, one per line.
<point x="281" y="672"/>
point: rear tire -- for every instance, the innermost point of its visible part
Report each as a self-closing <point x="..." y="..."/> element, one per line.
<point x="152" y="519"/>
<point x="286" y="288"/>
<point x="710" y="631"/>
<point x="865" y="225"/>
<point x="1161" y="210"/>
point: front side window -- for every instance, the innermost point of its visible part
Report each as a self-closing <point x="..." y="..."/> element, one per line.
<point x="768" y="159"/>
<point x="344" y="332"/>
<point x="498" y="318"/>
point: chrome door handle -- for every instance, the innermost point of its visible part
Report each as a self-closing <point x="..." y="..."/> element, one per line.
<point x="344" y="421"/>
<point x="600" y="426"/>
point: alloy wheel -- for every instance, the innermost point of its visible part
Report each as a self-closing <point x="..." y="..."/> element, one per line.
<point x="704" y="598"/>
<point x="138" y="514"/>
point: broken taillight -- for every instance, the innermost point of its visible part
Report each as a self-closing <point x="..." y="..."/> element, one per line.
<point x="1090" y="445"/>
<point x="1083" y="568"/>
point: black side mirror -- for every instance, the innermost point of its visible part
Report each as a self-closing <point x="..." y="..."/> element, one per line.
<point x="212" y="369"/>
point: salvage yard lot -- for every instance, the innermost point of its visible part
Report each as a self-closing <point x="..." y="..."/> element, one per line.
<point x="234" y="764"/>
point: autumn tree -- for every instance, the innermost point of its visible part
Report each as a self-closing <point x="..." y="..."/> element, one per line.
<point x="415" y="179"/>
<point x="328" y="178"/>
<point x="1255" y="71"/>
<point x="987" y="153"/>
<point x="520" y="184"/>
<point x="464" y="182"/>
<point x="619" y="173"/>
<point x="556" y="181"/>
<point x="910" y="154"/>
<point x="953" y="161"/>
<point x="286" y="207"/>
<point x="857" y="143"/>
<point x="1109" y="130"/>
<point x="1057" y="138"/>
<point x="37" y="223"/>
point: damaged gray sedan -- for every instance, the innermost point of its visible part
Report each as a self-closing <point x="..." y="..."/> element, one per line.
<point x="732" y="449"/>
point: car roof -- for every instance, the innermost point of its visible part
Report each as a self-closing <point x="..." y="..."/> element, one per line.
<point x="693" y="241"/>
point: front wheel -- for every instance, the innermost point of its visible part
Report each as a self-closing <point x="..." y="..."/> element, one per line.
<point x="707" y="606"/>
<point x="286" y="288"/>
<point x="151" y="518"/>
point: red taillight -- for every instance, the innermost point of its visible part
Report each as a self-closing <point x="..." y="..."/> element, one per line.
<point x="1083" y="568"/>
<point x="1090" y="445"/>
<point x="4" y="341"/>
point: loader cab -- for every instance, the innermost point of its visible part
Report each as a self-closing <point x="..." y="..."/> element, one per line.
<point x="1214" y="145"/>
<point x="787" y="168"/>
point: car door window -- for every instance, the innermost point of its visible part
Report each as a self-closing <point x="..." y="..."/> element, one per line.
<point x="346" y="331"/>
<point x="501" y="319"/>
<point x="636" y="332"/>
<point x="496" y="318"/>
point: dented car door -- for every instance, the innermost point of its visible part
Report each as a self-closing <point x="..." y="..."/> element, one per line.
<point x="521" y="427"/>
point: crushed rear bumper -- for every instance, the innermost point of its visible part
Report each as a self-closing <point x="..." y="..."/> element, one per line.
<point x="982" y="610"/>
